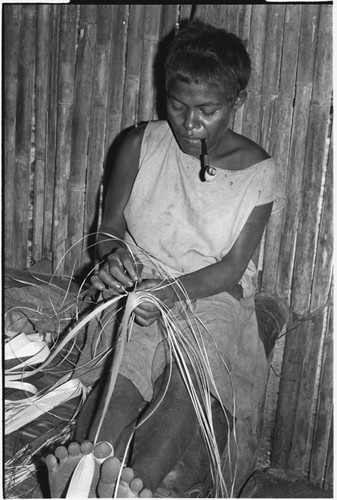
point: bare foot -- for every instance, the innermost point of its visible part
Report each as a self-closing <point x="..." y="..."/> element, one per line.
<point x="129" y="485"/>
<point x="62" y="463"/>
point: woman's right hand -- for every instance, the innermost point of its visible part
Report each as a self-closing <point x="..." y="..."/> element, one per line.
<point x="118" y="272"/>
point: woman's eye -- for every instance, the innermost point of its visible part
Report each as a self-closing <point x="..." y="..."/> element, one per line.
<point x="176" y="107"/>
<point x="209" y="113"/>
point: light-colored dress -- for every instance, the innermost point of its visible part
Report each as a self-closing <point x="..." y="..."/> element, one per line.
<point x="187" y="224"/>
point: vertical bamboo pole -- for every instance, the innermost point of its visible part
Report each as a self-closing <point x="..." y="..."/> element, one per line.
<point x="41" y="106"/>
<point x="242" y="30"/>
<point x="228" y="17"/>
<point x="314" y="165"/>
<point x="65" y="95"/>
<point x="292" y="436"/>
<point x="324" y="255"/>
<point x="49" y="181"/>
<point x="301" y="447"/>
<point x="329" y="468"/>
<point x="307" y="392"/>
<point x="251" y="121"/>
<point x="96" y="149"/>
<point x="12" y="22"/>
<point x="281" y="116"/>
<point x="117" y="76"/>
<point x="186" y="11"/>
<point x="209" y="14"/>
<point x="306" y="59"/>
<point x="243" y="25"/>
<point x="271" y="70"/>
<point x="324" y="420"/>
<point x="147" y="76"/>
<point x="288" y="395"/>
<point x="80" y="133"/>
<point x="23" y="134"/>
<point x="133" y="66"/>
<point x="250" y="117"/>
<point x="169" y="19"/>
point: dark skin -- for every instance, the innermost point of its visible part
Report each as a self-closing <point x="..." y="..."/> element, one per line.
<point x="195" y="111"/>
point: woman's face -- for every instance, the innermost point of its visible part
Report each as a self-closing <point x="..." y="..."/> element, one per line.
<point x="198" y="111"/>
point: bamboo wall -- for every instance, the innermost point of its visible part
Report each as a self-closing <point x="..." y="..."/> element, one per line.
<point x="75" y="76"/>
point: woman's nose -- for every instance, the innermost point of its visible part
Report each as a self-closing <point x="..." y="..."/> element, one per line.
<point x="191" y="120"/>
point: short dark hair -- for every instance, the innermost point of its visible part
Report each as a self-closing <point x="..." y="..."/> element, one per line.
<point x="201" y="53"/>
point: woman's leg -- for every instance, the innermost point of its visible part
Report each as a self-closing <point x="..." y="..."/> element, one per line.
<point x="164" y="438"/>
<point x="123" y="411"/>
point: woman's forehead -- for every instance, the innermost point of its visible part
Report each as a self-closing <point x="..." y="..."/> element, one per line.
<point x="201" y="91"/>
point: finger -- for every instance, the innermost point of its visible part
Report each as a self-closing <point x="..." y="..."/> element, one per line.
<point x="147" y="315"/>
<point x="144" y="322"/>
<point x="148" y="307"/>
<point x="118" y="272"/>
<point x="131" y="268"/>
<point x="97" y="282"/>
<point x="109" y="280"/>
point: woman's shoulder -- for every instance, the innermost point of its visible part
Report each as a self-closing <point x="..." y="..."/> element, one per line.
<point x="248" y="153"/>
<point x="145" y="130"/>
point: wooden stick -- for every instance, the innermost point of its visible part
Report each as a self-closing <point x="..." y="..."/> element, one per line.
<point x="329" y="469"/>
<point x="23" y="136"/>
<point x="68" y="32"/>
<point x="80" y="133"/>
<point x="133" y="66"/>
<point x="96" y="149"/>
<point x="280" y="137"/>
<point x="306" y="396"/>
<point x="323" y="63"/>
<point x="150" y="44"/>
<point x="186" y="11"/>
<point x="12" y="21"/>
<point x="209" y="14"/>
<point x="41" y="109"/>
<point x="324" y="418"/>
<point x="53" y="51"/>
<point x="169" y="19"/>
<point x="324" y="255"/>
<point x="117" y="77"/>
<point x="307" y="231"/>
<point x="293" y="360"/>
<point x="242" y="29"/>
<point x="307" y="44"/>
<point x="251" y="122"/>
<point x="271" y="71"/>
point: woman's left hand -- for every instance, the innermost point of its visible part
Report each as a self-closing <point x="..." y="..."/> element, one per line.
<point x="147" y="312"/>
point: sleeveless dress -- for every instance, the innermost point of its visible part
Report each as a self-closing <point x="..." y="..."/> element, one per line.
<point x="180" y="224"/>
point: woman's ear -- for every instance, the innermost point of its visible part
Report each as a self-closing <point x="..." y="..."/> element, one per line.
<point x="240" y="100"/>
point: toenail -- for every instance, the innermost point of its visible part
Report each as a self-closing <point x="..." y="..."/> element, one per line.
<point x="103" y="450"/>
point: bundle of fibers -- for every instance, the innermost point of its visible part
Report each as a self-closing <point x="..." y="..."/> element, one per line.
<point x="181" y="351"/>
<point x="19" y="413"/>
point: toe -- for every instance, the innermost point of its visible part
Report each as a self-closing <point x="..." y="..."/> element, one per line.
<point x="136" y="485"/>
<point x="51" y="462"/>
<point x="86" y="447"/>
<point x="61" y="452"/>
<point x="103" y="449"/>
<point x="128" y="474"/>
<point x="74" y="449"/>
<point x="145" y="493"/>
<point x="110" y="470"/>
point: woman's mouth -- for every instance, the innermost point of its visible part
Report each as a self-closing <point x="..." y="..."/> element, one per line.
<point x="191" y="140"/>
